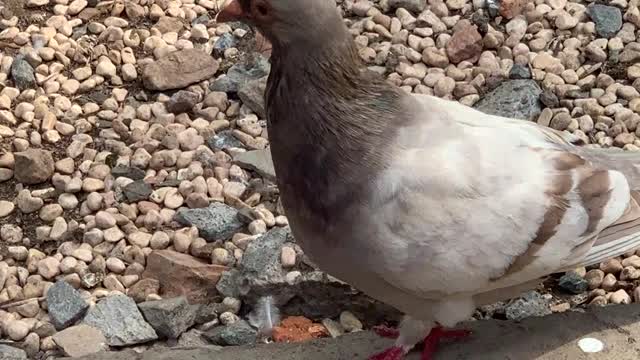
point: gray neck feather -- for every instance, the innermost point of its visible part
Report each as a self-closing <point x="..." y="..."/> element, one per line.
<point x="331" y="123"/>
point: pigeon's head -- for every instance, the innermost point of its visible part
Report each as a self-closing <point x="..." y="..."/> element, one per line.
<point x="285" y="22"/>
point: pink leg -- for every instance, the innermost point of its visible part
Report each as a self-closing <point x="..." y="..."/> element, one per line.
<point x="436" y="335"/>
<point x="431" y="342"/>
<point x="386" y="332"/>
<point x="392" y="353"/>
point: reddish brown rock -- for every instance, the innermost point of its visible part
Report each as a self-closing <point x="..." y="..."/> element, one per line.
<point x="512" y="8"/>
<point x="465" y="44"/>
<point x="297" y="329"/>
<point x="33" y="166"/>
<point x="183" y="275"/>
<point x="179" y="69"/>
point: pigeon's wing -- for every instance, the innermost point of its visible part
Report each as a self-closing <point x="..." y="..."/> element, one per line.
<point x="473" y="203"/>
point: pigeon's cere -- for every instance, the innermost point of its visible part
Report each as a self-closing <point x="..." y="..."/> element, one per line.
<point x="423" y="203"/>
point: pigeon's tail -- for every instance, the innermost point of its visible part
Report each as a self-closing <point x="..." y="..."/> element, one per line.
<point x="626" y="162"/>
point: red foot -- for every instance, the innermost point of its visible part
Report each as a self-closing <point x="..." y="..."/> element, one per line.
<point x="431" y="342"/>
<point x="392" y="353"/>
<point x="436" y="335"/>
<point x="386" y="332"/>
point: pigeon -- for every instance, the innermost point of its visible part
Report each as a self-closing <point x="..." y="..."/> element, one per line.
<point x="423" y="203"/>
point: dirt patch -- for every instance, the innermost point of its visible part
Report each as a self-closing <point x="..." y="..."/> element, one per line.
<point x="13" y="8"/>
<point x="615" y="69"/>
<point x="29" y="222"/>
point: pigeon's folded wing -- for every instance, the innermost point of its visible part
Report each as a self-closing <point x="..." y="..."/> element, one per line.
<point x="474" y="203"/>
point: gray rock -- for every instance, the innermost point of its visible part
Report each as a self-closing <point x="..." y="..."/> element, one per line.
<point x="179" y="69"/>
<point x="207" y="312"/>
<point x="549" y="99"/>
<point x="573" y="283"/>
<point x="192" y="338"/>
<point x="230" y="284"/>
<point x="493" y="7"/>
<point x="11" y="353"/>
<point x="90" y="280"/>
<point x="33" y="166"/>
<point x="528" y="305"/>
<point x="137" y="191"/>
<point x="415" y="6"/>
<point x="79" y="31"/>
<point x="202" y="19"/>
<point x="491" y="311"/>
<point x="238" y="333"/>
<point x="216" y="222"/>
<point x="260" y="264"/>
<point x="170" y="318"/>
<point x="519" y="72"/>
<point x="224" y="42"/>
<point x="252" y="95"/>
<point x="608" y="19"/>
<point x="519" y="99"/>
<point x="259" y="161"/>
<point x="120" y="321"/>
<point x="224" y="140"/>
<point x="23" y="74"/>
<point x="252" y="68"/>
<point x="45" y="329"/>
<point x="182" y="101"/>
<point x="65" y="304"/>
<point x="261" y="259"/>
<point x="314" y="295"/>
<point x="132" y="173"/>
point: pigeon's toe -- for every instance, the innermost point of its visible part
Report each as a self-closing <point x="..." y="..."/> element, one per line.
<point x="392" y="353"/>
<point x="386" y="332"/>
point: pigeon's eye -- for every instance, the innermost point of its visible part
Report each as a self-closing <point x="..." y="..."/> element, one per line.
<point x="260" y="8"/>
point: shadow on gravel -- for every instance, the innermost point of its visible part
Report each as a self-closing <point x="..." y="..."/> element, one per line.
<point x="553" y="337"/>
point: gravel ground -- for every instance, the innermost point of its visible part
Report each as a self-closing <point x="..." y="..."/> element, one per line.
<point x="137" y="204"/>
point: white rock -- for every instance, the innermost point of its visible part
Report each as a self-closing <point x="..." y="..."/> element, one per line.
<point x="58" y="229"/>
<point x="173" y="199"/>
<point x="50" y="212"/>
<point x="68" y="201"/>
<point x="6" y="208"/>
<point x="620" y="297"/>
<point x="288" y="256"/>
<point x="48" y="268"/>
<point x="129" y="72"/>
<point x="106" y="68"/>
<point x="160" y="240"/>
<point x="565" y="21"/>
<point x="17" y="329"/>
<point x="139" y="238"/>
<point x="83" y="253"/>
<point x="350" y="322"/>
<point x="590" y="345"/>
<point x="220" y="256"/>
<point x="113" y="234"/>
<point x="105" y="220"/>
<point x="77" y="6"/>
<point x="11" y="233"/>
<point x="115" y="265"/>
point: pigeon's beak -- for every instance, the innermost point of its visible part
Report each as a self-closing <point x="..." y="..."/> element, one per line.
<point x="231" y="12"/>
